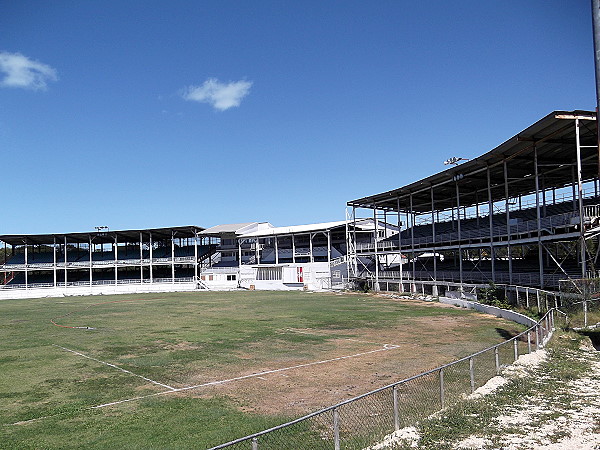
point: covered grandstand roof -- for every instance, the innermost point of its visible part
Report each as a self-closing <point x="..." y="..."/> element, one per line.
<point x="555" y="141"/>
<point x="102" y="236"/>
<point x="235" y="228"/>
<point x="313" y="227"/>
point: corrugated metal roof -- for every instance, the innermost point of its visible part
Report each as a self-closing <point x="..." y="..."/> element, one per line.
<point x="103" y="237"/>
<point x="227" y="228"/>
<point x="310" y="228"/>
<point x="297" y="229"/>
<point x="553" y="137"/>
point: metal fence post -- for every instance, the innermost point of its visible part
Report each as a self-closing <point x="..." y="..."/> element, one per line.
<point x="442" y="392"/>
<point x="497" y="358"/>
<point x="336" y="429"/>
<point x="585" y="311"/>
<point x="529" y="342"/>
<point x="472" y="374"/>
<point x="537" y="294"/>
<point x="516" y="348"/>
<point x="396" y="414"/>
<point x="542" y="335"/>
<point x="254" y="443"/>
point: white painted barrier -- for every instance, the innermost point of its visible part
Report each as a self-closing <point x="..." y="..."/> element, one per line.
<point x="492" y="310"/>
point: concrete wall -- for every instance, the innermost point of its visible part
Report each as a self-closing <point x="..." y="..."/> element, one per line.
<point x="6" y="294"/>
<point x="492" y="310"/>
<point x="316" y="276"/>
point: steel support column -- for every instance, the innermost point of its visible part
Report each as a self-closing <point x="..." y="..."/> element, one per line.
<point x="196" y="256"/>
<point x="508" y="234"/>
<point x="116" y="250"/>
<point x="141" y="259"/>
<point x="580" y="202"/>
<point x="354" y="234"/>
<point x="375" y="236"/>
<point x="491" y="221"/>
<point x="151" y="257"/>
<point x="460" y="255"/>
<point x="66" y="259"/>
<point x="400" y="243"/>
<point x="91" y="259"/>
<point x="257" y="249"/>
<point x="53" y="261"/>
<point x="538" y="217"/>
<point x="433" y="235"/>
<point x="26" y="266"/>
<point x="172" y="257"/>
<point x="412" y="236"/>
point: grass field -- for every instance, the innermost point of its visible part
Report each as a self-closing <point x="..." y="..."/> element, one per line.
<point x="192" y="370"/>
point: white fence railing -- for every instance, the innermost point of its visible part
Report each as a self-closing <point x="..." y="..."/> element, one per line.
<point x="94" y="264"/>
<point x="519" y="228"/>
<point x="62" y="284"/>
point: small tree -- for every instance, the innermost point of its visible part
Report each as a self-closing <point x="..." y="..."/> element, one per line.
<point x="493" y="296"/>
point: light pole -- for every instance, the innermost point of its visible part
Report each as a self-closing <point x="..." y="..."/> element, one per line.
<point x="454" y="160"/>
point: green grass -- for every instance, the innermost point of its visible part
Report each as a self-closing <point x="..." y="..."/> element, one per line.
<point x="178" y="339"/>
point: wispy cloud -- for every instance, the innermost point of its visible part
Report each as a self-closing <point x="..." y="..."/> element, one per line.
<point x="19" y="71"/>
<point x="220" y="95"/>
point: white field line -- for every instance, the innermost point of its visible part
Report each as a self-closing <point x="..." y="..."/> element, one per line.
<point x="116" y="367"/>
<point x="386" y="347"/>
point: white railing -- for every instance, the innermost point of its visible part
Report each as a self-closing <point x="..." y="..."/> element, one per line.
<point x="337" y="261"/>
<point x="103" y="263"/>
<point x="591" y="211"/>
<point x="523" y="279"/>
<point x="98" y="283"/>
<point x="528" y="226"/>
<point x="471" y="212"/>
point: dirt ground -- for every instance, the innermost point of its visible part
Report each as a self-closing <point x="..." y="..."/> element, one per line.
<point x="382" y="357"/>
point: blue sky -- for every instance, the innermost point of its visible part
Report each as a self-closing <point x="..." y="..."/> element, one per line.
<point x="149" y="113"/>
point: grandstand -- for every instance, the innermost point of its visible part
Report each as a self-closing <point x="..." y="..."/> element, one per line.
<point x="525" y="213"/>
<point x="104" y="261"/>
<point x="252" y="255"/>
<point x="303" y="256"/>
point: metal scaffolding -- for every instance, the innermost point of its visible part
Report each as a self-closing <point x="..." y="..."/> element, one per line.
<point x="526" y="212"/>
<point x="105" y="257"/>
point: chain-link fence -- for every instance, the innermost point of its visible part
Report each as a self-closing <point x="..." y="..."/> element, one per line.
<point x="359" y="422"/>
<point x="581" y="301"/>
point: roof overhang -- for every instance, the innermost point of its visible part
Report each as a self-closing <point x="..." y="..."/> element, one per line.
<point x="553" y="138"/>
<point x="102" y="237"/>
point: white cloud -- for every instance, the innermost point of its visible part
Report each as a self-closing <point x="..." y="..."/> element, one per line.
<point x="220" y="95"/>
<point x="19" y="71"/>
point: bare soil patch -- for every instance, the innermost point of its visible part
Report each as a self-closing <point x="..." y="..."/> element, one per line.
<point x="427" y="343"/>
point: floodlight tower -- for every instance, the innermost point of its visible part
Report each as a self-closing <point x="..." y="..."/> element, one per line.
<point x="455" y="160"/>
